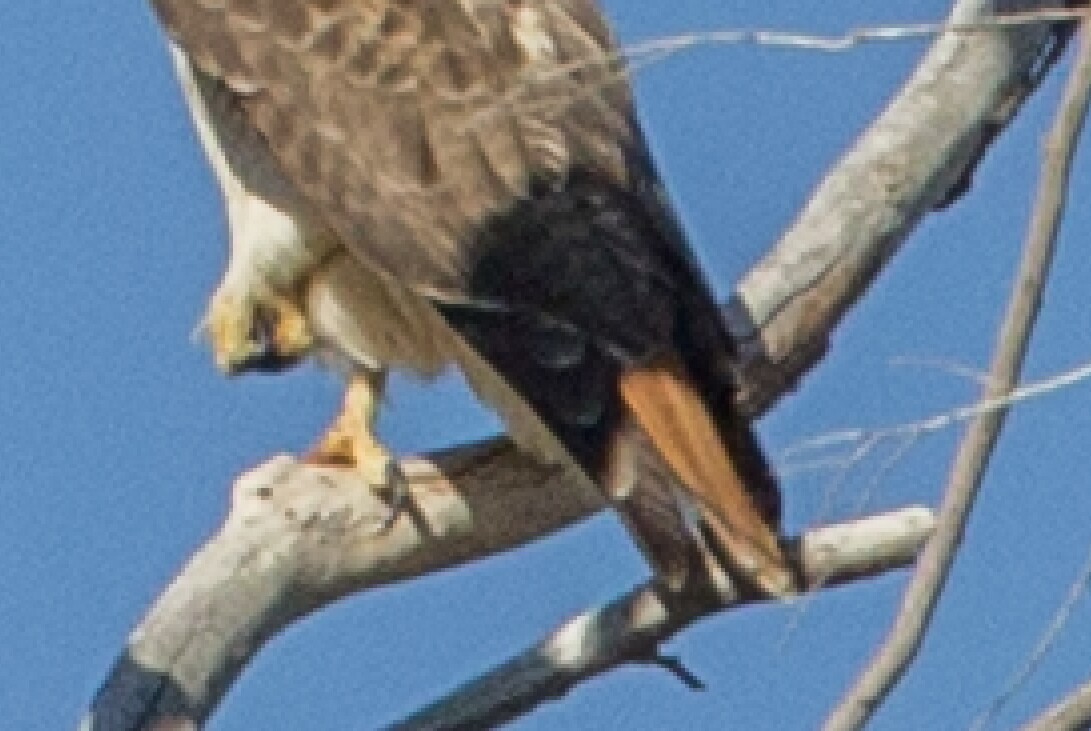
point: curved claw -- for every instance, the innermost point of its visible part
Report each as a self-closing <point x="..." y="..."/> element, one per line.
<point x="399" y="498"/>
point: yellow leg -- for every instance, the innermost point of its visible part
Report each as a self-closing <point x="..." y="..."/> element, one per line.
<point x="350" y="441"/>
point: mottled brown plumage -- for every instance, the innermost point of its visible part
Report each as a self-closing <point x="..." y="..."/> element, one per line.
<point x="483" y="156"/>
<point x="407" y="122"/>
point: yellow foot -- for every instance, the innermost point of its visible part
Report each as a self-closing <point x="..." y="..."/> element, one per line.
<point x="350" y="443"/>
<point x="250" y="335"/>
<point x="336" y="449"/>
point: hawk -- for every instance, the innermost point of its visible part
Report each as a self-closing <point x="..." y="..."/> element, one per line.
<point x="416" y="183"/>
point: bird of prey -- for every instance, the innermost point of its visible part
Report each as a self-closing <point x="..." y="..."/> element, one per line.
<point x="413" y="183"/>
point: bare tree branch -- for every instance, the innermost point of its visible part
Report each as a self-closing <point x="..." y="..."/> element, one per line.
<point x="981" y="436"/>
<point x="917" y="156"/>
<point x="297" y="538"/>
<point x="630" y="629"/>
<point x="1072" y="713"/>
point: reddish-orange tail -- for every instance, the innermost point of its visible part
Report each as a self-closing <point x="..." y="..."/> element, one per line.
<point x="672" y="413"/>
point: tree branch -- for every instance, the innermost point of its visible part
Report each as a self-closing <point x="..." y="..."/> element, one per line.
<point x="917" y="156"/>
<point x="630" y="629"/>
<point x="969" y="466"/>
<point x="297" y="537"/>
<point x="1072" y="713"/>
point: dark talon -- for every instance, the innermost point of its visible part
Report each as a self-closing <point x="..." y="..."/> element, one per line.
<point x="398" y="485"/>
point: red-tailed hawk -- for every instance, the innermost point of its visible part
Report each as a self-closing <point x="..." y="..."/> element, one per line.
<point x="412" y="183"/>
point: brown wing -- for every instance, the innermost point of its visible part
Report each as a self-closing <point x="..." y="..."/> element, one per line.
<point x="437" y="110"/>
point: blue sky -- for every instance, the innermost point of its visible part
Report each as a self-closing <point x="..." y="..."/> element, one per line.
<point x="118" y="440"/>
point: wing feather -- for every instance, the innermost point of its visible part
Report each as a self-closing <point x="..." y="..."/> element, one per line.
<point x="433" y="109"/>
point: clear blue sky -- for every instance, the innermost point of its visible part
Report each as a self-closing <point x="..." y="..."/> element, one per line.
<point x="118" y="440"/>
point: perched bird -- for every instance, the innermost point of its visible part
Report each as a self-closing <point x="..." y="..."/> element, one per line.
<point x="413" y="183"/>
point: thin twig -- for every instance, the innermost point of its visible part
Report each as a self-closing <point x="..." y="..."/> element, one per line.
<point x="659" y="48"/>
<point x="1045" y="643"/>
<point x="922" y="595"/>
<point x="942" y="364"/>
<point x="812" y="452"/>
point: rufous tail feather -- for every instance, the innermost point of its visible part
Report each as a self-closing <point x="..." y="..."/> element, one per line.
<point x="670" y="409"/>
